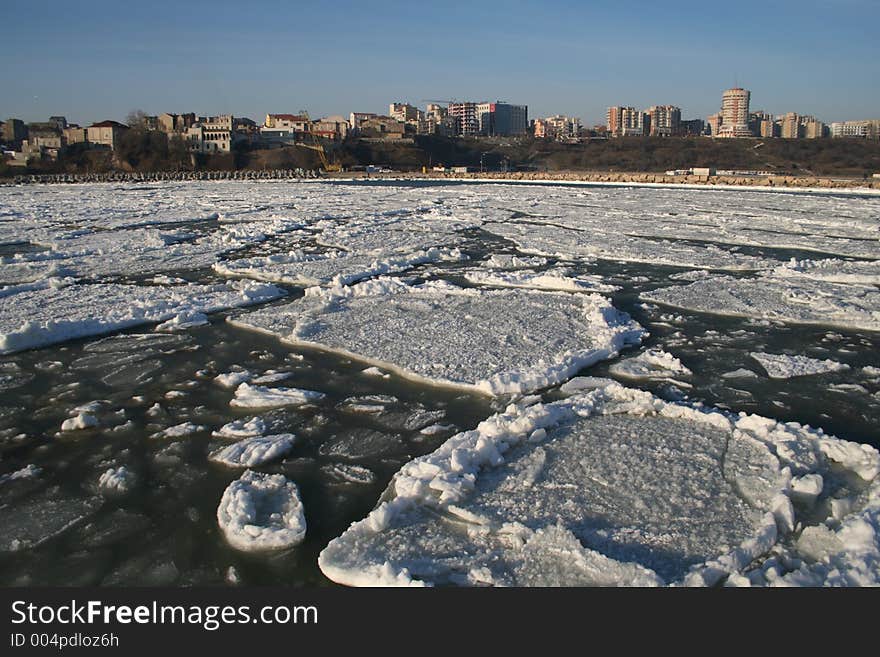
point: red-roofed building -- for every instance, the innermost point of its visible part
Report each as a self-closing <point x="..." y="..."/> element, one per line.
<point x="105" y="133"/>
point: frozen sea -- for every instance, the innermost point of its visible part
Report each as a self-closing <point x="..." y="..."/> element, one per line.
<point x="307" y="383"/>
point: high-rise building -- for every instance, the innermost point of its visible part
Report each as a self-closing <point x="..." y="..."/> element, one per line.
<point x="502" y="119"/>
<point x="791" y="126"/>
<point x="768" y="128"/>
<point x="665" y="120"/>
<point x="625" y="122"/>
<point x="713" y="123"/>
<point x="735" y="113"/>
<point x="813" y="128"/>
<point x="467" y="123"/>
<point x="692" y="127"/>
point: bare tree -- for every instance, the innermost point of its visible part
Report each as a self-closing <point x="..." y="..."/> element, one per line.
<point x="137" y="119"/>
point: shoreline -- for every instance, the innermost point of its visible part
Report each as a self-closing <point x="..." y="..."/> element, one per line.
<point x="766" y="183"/>
<point x="629" y="178"/>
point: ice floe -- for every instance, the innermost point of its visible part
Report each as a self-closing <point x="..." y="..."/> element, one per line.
<point x="180" y="430"/>
<point x="261" y="512"/>
<point x="650" y="364"/>
<point x="253" y="451"/>
<point x="496" y="342"/>
<point x="544" y="280"/>
<point x="243" y="428"/>
<point x="784" y="366"/>
<point x="248" y="396"/>
<point x="616" y="487"/>
<point x="116" y="481"/>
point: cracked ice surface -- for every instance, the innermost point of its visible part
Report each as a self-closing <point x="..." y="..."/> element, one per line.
<point x="549" y="240"/>
<point x="611" y="487"/>
<point x="822" y="223"/>
<point x="496" y="342"/>
<point x="36" y="318"/>
<point x="802" y="301"/>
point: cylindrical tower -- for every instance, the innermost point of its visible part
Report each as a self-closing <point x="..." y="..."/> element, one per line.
<point x="735" y="113"/>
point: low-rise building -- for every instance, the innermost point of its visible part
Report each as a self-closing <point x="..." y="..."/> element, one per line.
<point x="357" y="118"/>
<point x="849" y="129"/>
<point x="334" y="128"/>
<point x="213" y="134"/>
<point x="294" y="122"/>
<point x="74" y="134"/>
<point x="171" y="123"/>
<point x="14" y="131"/>
<point x="382" y="127"/>
<point x="405" y="113"/>
<point x="106" y="133"/>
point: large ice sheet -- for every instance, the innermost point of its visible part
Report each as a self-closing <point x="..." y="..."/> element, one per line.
<point x="822" y="223"/>
<point x="552" y="240"/>
<point x="609" y="487"/>
<point x="496" y="342"/>
<point x="37" y="318"/>
<point x="803" y="301"/>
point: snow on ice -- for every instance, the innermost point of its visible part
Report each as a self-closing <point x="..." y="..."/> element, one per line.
<point x="496" y="342"/>
<point x="617" y="487"/>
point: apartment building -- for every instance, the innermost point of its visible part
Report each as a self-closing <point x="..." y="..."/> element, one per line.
<point x="664" y="120"/>
<point x="735" y="113"/>
<point x="465" y="117"/>
<point x="790" y="126"/>
<point x="625" y="122"/>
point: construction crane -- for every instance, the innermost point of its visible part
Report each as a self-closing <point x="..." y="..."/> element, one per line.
<point x="434" y="100"/>
<point x="317" y="146"/>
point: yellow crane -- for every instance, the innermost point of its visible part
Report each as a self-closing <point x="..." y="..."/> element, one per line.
<point x="316" y="145"/>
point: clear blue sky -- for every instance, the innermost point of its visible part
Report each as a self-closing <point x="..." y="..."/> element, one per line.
<point x="96" y="60"/>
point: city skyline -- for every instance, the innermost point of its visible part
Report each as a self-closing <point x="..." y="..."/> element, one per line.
<point x="219" y="57"/>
